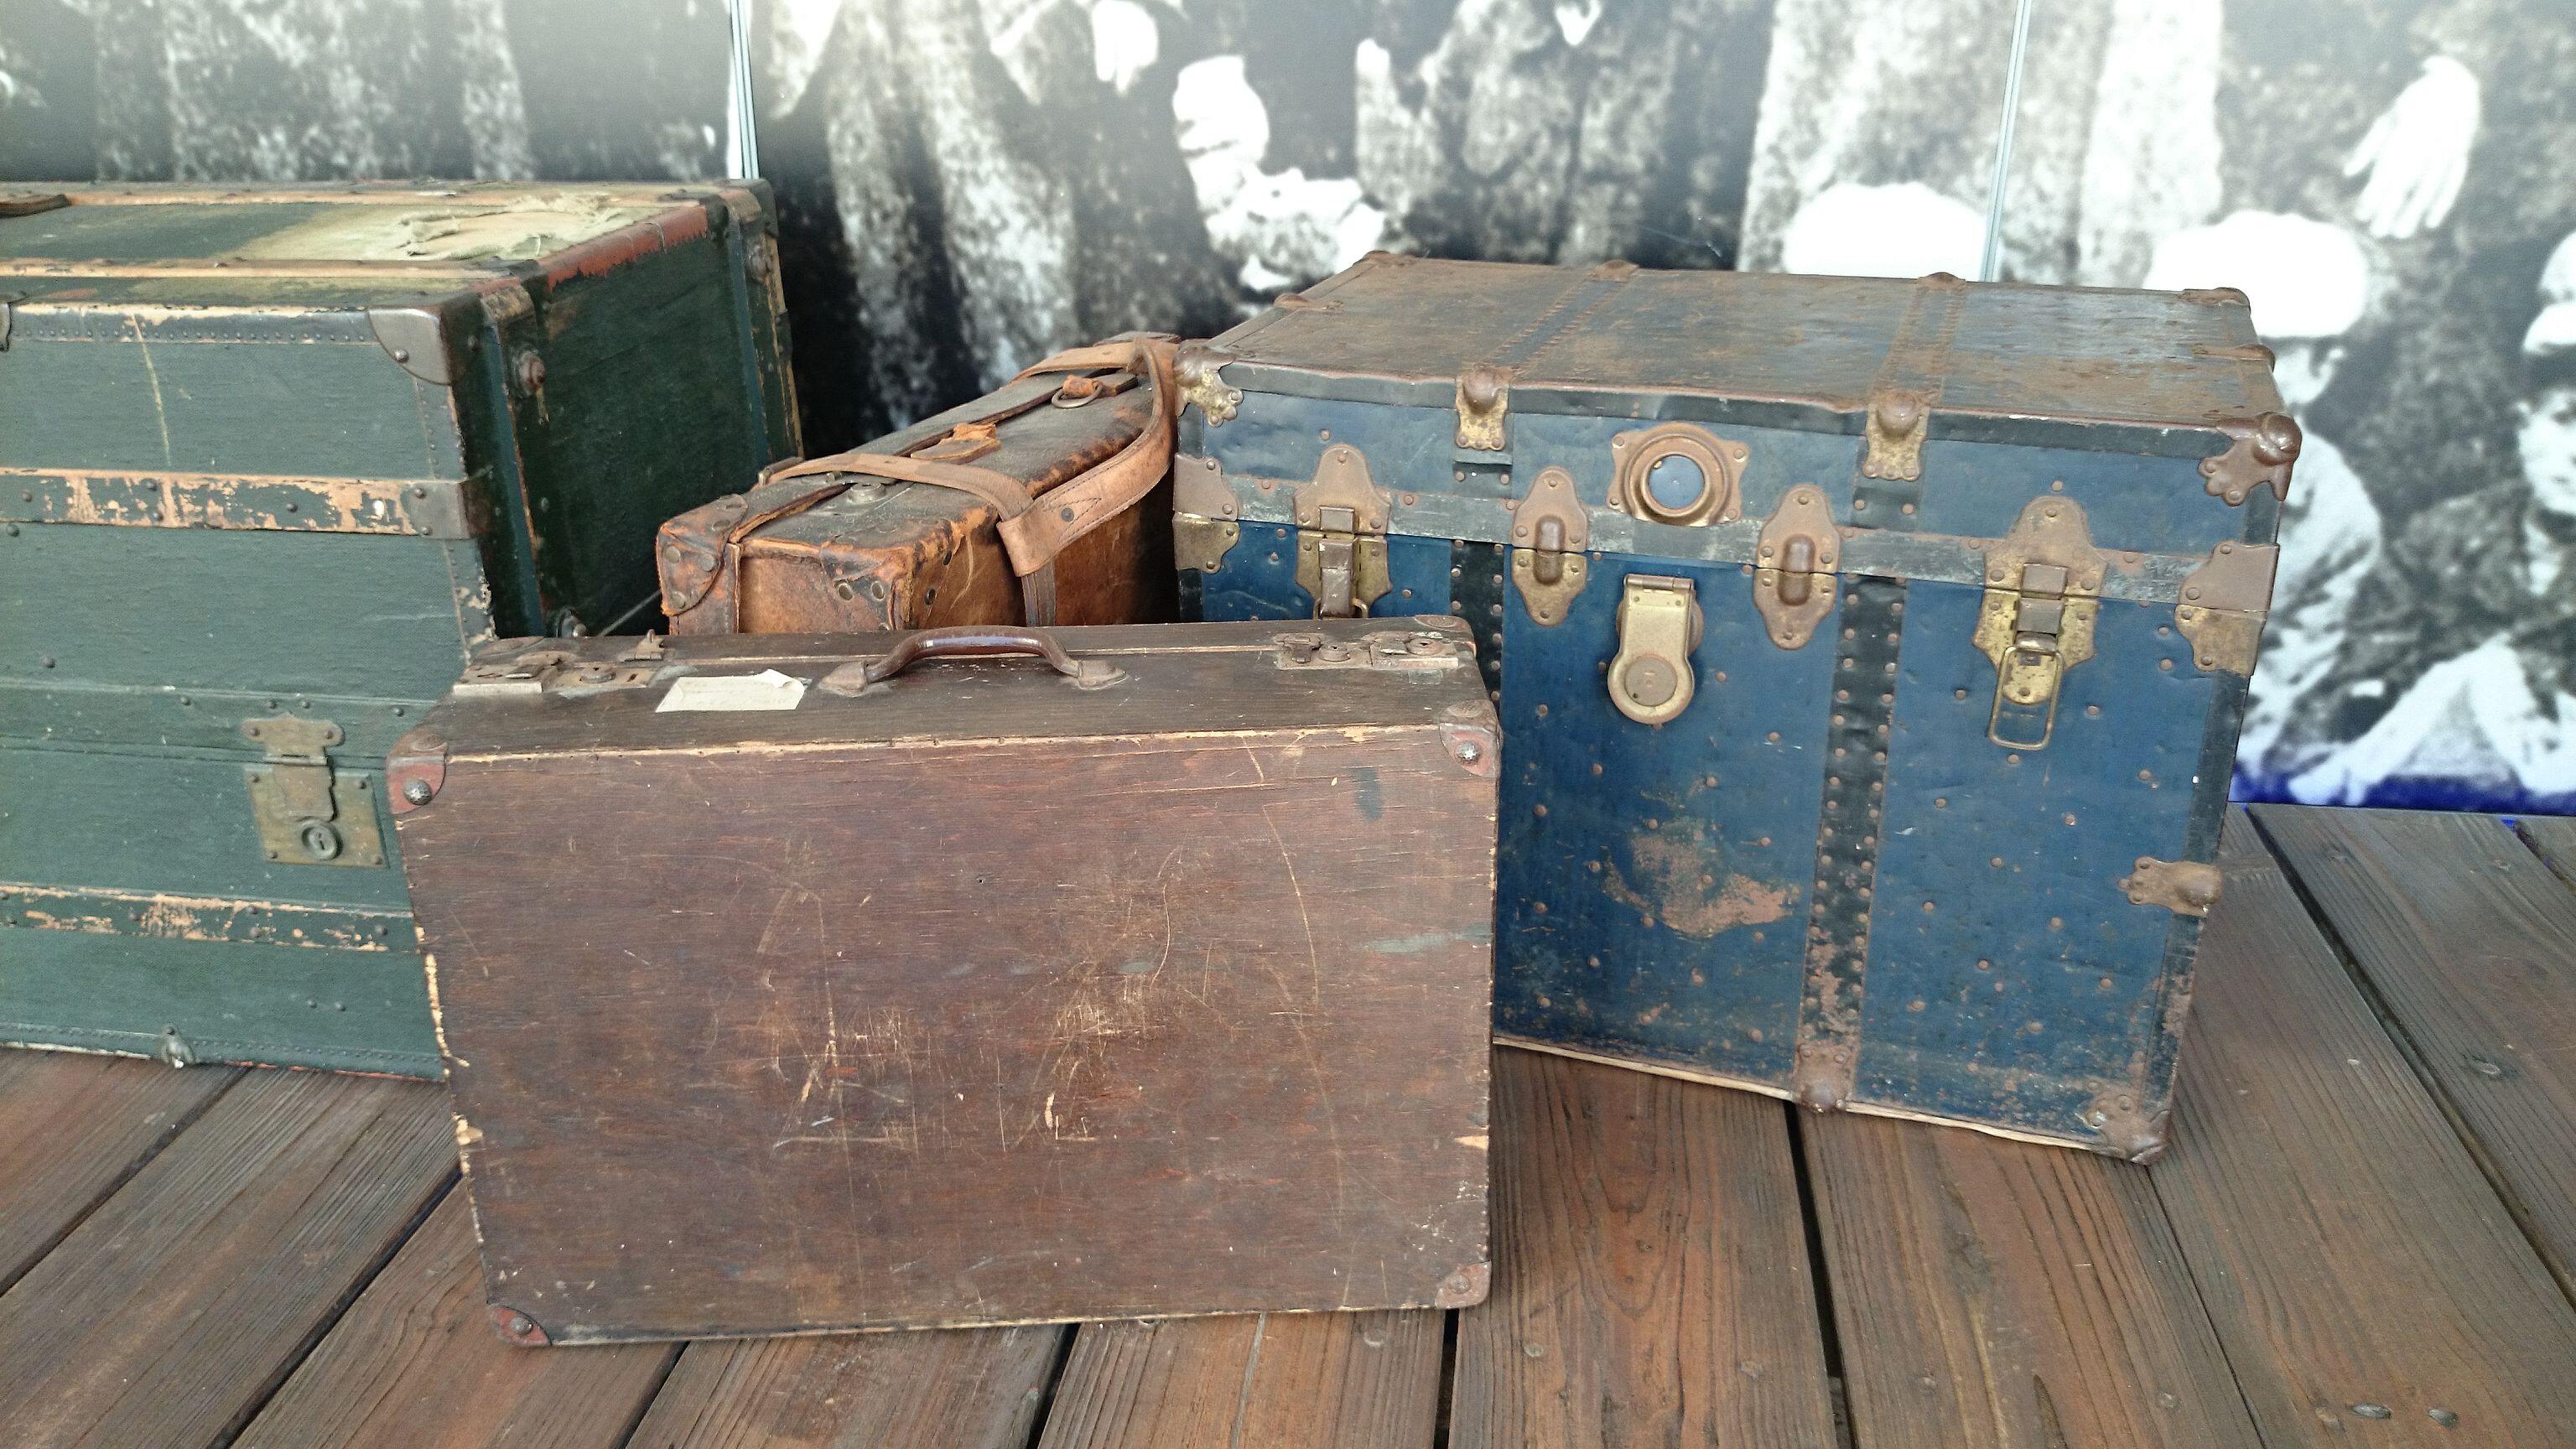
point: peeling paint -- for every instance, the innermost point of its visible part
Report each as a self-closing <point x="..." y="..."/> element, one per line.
<point x="1676" y="886"/>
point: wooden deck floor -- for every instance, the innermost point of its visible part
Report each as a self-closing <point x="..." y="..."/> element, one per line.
<point x="2364" y="1235"/>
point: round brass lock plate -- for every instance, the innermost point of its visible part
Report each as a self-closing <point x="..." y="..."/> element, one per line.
<point x="1677" y="473"/>
<point x="1650" y="683"/>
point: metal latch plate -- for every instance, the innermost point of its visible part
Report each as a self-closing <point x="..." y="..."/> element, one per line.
<point x="1341" y="538"/>
<point x="306" y="812"/>
<point x="1402" y="650"/>
<point x="1651" y="677"/>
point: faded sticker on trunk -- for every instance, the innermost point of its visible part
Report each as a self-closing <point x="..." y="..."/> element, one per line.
<point x="768" y="689"/>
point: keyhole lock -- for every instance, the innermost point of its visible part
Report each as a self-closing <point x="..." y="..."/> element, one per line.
<point x="1650" y="678"/>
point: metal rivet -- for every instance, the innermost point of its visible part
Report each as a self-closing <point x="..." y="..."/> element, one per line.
<point x="417" y="791"/>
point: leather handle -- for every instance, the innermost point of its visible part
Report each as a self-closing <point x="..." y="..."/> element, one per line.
<point x="970" y="640"/>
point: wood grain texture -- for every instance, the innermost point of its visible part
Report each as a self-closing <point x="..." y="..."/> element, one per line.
<point x="415" y="1364"/>
<point x="1652" y="1282"/>
<point x="1316" y="1380"/>
<point x="175" y="1307"/>
<point x="944" y="1389"/>
<point x="2554" y="838"/>
<point x="2366" y="1283"/>
<point x="971" y="1031"/>
<point x="2476" y="964"/>
<point x="72" y="1127"/>
<point x="1993" y="1294"/>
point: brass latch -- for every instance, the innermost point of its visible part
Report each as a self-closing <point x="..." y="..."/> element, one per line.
<point x="1400" y="652"/>
<point x="2034" y="634"/>
<point x="1659" y="626"/>
<point x="1341" y="538"/>
<point x="308" y="813"/>
<point x="1793" y="566"/>
<point x="2042" y="582"/>
<point x="1550" y="531"/>
<point x="1484" y="408"/>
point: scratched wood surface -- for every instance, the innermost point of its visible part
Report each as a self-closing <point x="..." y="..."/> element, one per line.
<point x="2475" y="964"/>
<point x="1316" y="1380"/>
<point x="271" y="1258"/>
<point x="72" y="1128"/>
<point x="1652" y="1284"/>
<point x="993" y="1053"/>
<point x="2362" y="1275"/>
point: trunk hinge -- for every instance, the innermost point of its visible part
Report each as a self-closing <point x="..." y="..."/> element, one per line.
<point x="2042" y="585"/>
<point x="1550" y="531"/>
<point x="1341" y="536"/>
<point x="308" y="813"/>
<point x="1793" y="566"/>
<point x="1205" y="524"/>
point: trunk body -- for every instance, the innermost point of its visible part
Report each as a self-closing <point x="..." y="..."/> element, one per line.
<point x="971" y="996"/>
<point x="1871" y="653"/>
<point x="273" y="462"/>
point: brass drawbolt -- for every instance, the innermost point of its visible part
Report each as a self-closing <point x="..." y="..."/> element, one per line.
<point x="1659" y="626"/>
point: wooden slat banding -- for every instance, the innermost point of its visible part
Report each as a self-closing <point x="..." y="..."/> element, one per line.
<point x="2476" y="964"/>
<point x="1992" y="1295"/>
<point x="2365" y="1281"/>
<point x="944" y="1389"/>
<point x="169" y="1313"/>
<point x="414" y="1364"/>
<point x="72" y="1127"/>
<point x="1652" y="1281"/>
<point x="1316" y="1380"/>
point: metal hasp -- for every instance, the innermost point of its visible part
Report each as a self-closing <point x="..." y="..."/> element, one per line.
<point x="1341" y="536"/>
<point x="1550" y="531"/>
<point x="307" y="813"/>
<point x="1659" y="626"/>
<point x="1204" y="526"/>
<point x="1678" y="473"/>
<point x="1793" y="567"/>
<point x="1398" y="651"/>
<point x="1484" y="408"/>
<point x="2042" y="585"/>
<point x="1899" y="419"/>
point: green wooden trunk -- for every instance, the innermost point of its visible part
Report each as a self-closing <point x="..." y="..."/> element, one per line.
<point x="272" y="462"/>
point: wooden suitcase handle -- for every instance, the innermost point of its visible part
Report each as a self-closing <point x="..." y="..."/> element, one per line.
<point x="966" y="640"/>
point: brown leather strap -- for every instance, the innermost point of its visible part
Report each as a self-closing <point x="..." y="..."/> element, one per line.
<point x="1031" y="537"/>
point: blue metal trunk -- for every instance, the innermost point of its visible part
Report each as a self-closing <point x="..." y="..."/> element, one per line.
<point x="1869" y="653"/>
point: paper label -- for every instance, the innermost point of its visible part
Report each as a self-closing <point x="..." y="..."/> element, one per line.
<point x="768" y="689"/>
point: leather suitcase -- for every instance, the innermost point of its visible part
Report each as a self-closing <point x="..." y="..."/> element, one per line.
<point x="941" y="523"/>
<point x="1870" y="653"/>
<point x="801" y="983"/>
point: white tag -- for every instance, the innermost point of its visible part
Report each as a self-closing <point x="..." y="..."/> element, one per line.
<point x="768" y="689"/>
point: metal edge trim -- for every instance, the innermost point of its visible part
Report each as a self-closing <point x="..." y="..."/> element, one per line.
<point x="170" y="916"/>
<point x="417" y="507"/>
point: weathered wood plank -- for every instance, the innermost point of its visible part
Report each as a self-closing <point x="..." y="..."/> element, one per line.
<point x="953" y="1389"/>
<point x="1317" y="1380"/>
<point x="1994" y="1293"/>
<point x="2554" y="837"/>
<point x="415" y="1364"/>
<point x="72" y="1127"/>
<point x="1651" y="1282"/>
<point x="2470" y="943"/>
<point x="173" y="1309"/>
<point x="2360" y="1272"/>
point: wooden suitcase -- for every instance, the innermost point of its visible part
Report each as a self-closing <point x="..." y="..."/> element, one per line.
<point x="1871" y="653"/>
<point x="274" y="460"/>
<point x="958" y="519"/>
<point x="799" y="983"/>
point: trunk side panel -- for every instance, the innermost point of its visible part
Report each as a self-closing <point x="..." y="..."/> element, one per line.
<point x="1653" y="879"/>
